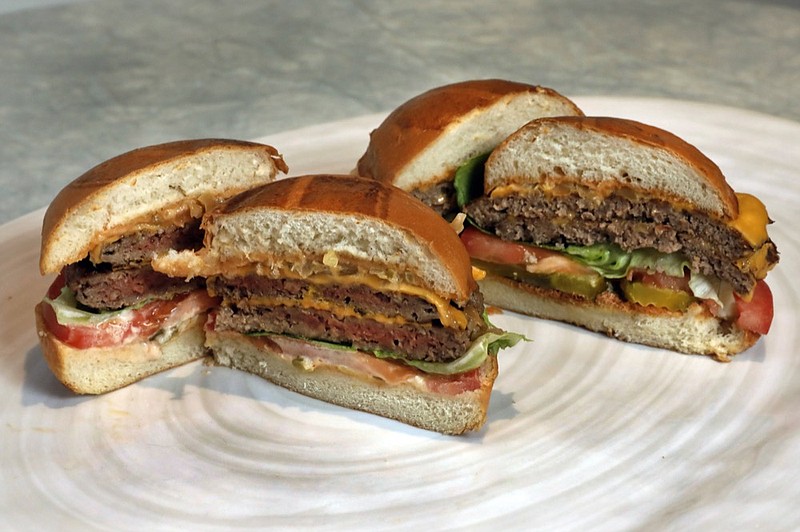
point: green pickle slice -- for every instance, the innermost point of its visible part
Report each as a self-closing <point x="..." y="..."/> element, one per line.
<point x="656" y="296"/>
<point x="586" y="285"/>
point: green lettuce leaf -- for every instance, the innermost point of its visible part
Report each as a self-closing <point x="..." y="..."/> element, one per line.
<point x="67" y="310"/>
<point x="468" y="180"/>
<point x="612" y="262"/>
<point x="715" y="289"/>
<point x="486" y="345"/>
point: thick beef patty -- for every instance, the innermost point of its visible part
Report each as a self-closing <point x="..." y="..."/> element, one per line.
<point x="139" y="248"/>
<point x="106" y="288"/>
<point x="712" y="247"/>
<point x="124" y="276"/>
<point x="409" y="325"/>
<point x="360" y="298"/>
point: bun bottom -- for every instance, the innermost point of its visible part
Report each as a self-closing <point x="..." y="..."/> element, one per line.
<point x="693" y="332"/>
<point x="97" y="370"/>
<point x="404" y="402"/>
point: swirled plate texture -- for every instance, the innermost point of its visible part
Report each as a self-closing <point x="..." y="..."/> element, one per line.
<point x="584" y="432"/>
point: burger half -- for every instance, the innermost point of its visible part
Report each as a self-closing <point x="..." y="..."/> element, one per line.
<point x="624" y="229"/>
<point x="109" y="319"/>
<point x="349" y="291"/>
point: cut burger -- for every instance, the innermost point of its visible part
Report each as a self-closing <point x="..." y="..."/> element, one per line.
<point x="349" y="291"/>
<point x="624" y="229"/>
<point x="109" y="319"/>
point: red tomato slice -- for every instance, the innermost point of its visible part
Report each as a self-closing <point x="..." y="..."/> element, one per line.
<point x="534" y="259"/>
<point x="108" y="333"/>
<point x="140" y="323"/>
<point x="492" y="249"/>
<point x="55" y="288"/>
<point x="756" y="315"/>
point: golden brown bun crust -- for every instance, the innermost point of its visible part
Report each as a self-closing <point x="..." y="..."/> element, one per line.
<point x="412" y="126"/>
<point x="694" y="331"/>
<point x="76" y="195"/>
<point x="122" y="165"/>
<point x="652" y="136"/>
<point x="99" y="370"/>
<point x="660" y="138"/>
<point x="360" y="197"/>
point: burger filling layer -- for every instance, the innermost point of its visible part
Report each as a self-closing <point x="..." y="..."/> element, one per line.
<point x="586" y="243"/>
<point x="354" y="315"/>
<point x="114" y="297"/>
<point x="710" y="247"/>
<point x="119" y="275"/>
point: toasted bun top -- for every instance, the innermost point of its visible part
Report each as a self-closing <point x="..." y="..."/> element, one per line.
<point x="332" y="224"/>
<point x="427" y="138"/>
<point x="608" y="154"/>
<point x="151" y="185"/>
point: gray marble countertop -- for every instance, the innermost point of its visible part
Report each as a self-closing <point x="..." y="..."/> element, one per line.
<point x="85" y="80"/>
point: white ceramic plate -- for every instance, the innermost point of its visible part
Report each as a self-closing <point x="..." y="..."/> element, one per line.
<point x="583" y="431"/>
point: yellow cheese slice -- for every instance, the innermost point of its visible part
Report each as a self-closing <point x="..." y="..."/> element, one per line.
<point x="752" y="221"/>
<point x="448" y="315"/>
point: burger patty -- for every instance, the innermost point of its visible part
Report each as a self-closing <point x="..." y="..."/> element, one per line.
<point x="441" y="197"/>
<point x="712" y="247"/>
<point x="359" y="298"/>
<point x="107" y="288"/>
<point x="418" y="336"/>
<point x="123" y="277"/>
<point x="139" y="248"/>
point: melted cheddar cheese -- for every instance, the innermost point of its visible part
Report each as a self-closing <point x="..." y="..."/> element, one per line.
<point x="448" y="315"/>
<point x="509" y="189"/>
<point x="756" y="263"/>
<point x="211" y="264"/>
<point x="309" y="301"/>
<point x="752" y="221"/>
